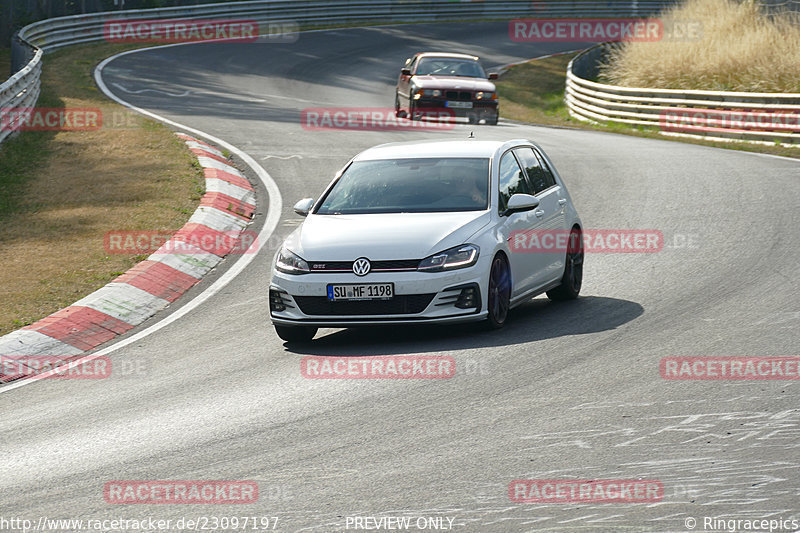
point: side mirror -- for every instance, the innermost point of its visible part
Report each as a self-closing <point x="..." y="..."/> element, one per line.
<point x="519" y="203"/>
<point x="405" y="71"/>
<point x="304" y="206"/>
<point x="493" y="75"/>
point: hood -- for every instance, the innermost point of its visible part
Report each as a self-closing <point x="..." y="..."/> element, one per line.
<point x="453" y="82"/>
<point x="383" y="236"/>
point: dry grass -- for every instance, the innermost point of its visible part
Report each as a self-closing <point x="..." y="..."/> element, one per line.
<point x="62" y="191"/>
<point x="741" y="49"/>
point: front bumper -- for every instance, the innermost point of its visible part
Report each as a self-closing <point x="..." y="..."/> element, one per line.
<point x="419" y="297"/>
<point x="437" y="108"/>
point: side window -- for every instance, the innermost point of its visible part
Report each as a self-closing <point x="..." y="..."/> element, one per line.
<point x="548" y="174"/>
<point x="511" y="180"/>
<point x="540" y="177"/>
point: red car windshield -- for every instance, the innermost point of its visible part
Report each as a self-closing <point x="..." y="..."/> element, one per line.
<point x="448" y="66"/>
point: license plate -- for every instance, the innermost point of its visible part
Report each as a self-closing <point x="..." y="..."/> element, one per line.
<point x="361" y="291"/>
<point x="459" y="105"/>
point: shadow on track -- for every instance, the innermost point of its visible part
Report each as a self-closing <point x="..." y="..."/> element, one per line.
<point x="536" y="320"/>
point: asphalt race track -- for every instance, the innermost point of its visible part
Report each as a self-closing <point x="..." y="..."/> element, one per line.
<point x="565" y="391"/>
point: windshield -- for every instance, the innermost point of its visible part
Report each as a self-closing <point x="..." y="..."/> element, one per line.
<point x="447" y="66"/>
<point x="424" y="185"/>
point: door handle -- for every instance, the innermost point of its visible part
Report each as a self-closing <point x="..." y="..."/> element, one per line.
<point x="562" y="201"/>
<point x="539" y="213"/>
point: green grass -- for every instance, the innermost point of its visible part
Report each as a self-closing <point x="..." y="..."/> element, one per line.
<point x="20" y="157"/>
<point x="534" y="91"/>
<point x="5" y="63"/>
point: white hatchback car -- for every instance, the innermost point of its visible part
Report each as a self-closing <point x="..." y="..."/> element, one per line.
<point x="427" y="232"/>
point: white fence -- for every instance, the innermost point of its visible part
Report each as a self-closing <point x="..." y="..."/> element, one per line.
<point x="759" y="117"/>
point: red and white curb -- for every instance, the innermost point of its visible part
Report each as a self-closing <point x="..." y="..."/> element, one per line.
<point x="150" y="286"/>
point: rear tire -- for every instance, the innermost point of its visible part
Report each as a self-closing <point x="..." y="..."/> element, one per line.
<point x="296" y="333"/>
<point x="572" y="279"/>
<point x="499" y="300"/>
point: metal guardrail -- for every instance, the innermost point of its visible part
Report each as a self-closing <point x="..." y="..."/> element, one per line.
<point x="22" y="89"/>
<point x="726" y="115"/>
<point x="63" y="31"/>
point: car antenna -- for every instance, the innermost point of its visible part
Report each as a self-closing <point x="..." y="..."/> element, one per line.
<point x="471" y="135"/>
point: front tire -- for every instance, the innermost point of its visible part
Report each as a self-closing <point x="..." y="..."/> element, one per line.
<point x="499" y="300"/>
<point x="296" y="333"/>
<point x="572" y="279"/>
<point x="397" y="111"/>
<point x="413" y="114"/>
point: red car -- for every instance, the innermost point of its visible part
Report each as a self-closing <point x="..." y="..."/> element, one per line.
<point x="437" y="84"/>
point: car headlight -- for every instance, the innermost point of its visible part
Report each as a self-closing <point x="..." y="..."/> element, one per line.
<point x="462" y="256"/>
<point x="485" y="95"/>
<point x="291" y="263"/>
<point x="432" y="92"/>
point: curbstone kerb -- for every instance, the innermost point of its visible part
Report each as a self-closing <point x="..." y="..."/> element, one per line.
<point x="153" y="284"/>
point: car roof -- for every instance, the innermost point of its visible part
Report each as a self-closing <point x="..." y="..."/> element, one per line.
<point x="413" y="149"/>
<point x="448" y="54"/>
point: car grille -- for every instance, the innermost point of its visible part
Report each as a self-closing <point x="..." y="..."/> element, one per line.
<point x="377" y="266"/>
<point x="458" y="95"/>
<point x="401" y="304"/>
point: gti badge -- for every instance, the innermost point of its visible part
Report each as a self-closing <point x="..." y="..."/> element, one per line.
<point x="361" y="266"/>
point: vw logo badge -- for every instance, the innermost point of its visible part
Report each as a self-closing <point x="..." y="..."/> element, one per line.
<point x="361" y="266"/>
